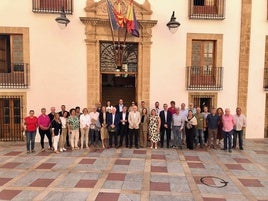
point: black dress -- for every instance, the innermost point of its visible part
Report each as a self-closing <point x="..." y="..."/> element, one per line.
<point x="190" y="131"/>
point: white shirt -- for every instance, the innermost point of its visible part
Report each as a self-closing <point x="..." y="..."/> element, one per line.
<point x="84" y="120"/>
<point x="240" y="122"/>
<point x="63" y="122"/>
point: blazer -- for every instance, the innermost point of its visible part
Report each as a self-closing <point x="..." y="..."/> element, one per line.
<point x="117" y="108"/>
<point x="121" y="118"/>
<point x="145" y="124"/>
<point x="110" y="120"/>
<point x="165" y="121"/>
<point x="134" y="119"/>
<point x="101" y="118"/>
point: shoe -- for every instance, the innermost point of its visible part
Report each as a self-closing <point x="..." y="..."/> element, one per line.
<point x="155" y="148"/>
<point x="130" y="147"/>
<point x="241" y="148"/>
<point x="118" y="146"/>
<point x="56" y="151"/>
<point x="28" y="152"/>
<point x="33" y="151"/>
<point x="151" y="147"/>
<point x="43" y="150"/>
<point x="224" y="149"/>
<point x="64" y="149"/>
<point x="173" y="146"/>
<point x="61" y="150"/>
<point x="230" y="150"/>
<point x="137" y="147"/>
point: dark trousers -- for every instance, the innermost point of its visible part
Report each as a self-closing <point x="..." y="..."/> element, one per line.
<point x="30" y="138"/>
<point x="190" y="136"/>
<point x="227" y="139"/>
<point x="206" y="135"/>
<point x="133" y="133"/>
<point x="162" y="136"/>
<point x="123" y="134"/>
<point x="112" y="135"/>
<point x="42" y="135"/>
<point x="238" y="134"/>
<point x="94" y="136"/>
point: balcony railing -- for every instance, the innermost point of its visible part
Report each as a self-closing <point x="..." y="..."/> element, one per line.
<point x="204" y="78"/>
<point x="265" y="79"/>
<point x="18" y="77"/>
<point x="207" y="9"/>
<point x="52" y="6"/>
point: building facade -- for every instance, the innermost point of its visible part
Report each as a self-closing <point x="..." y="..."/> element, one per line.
<point x="218" y="57"/>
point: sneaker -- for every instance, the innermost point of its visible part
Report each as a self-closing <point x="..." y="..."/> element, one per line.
<point x="64" y="149"/>
<point x="43" y="150"/>
<point x="61" y="150"/>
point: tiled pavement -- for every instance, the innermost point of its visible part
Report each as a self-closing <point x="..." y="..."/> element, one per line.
<point x="135" y="174"/>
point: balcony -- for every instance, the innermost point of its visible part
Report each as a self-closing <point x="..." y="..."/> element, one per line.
<point x="207" y="9"/>
<point x="18" y="77"/>
<point x="204" y="78"/>
<point x="265" y="79"/>
<point x="52" y="6"/>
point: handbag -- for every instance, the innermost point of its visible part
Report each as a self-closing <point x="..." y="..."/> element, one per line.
<point x="112" y="130"/>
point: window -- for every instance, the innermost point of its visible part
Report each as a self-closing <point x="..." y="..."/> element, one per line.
<point x="207" y="9"/>
<point x="203" y="53"/>
<point x="52" y="6"/>
<point x="11" y="53"/>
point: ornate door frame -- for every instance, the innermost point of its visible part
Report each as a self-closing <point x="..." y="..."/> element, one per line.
<point x="97" y="28"/>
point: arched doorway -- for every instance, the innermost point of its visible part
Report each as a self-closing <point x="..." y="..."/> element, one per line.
<point x="118" y="83"/>
<point x="97" y="30"/>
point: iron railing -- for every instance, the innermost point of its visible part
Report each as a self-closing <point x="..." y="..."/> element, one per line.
<point x="265" y="79"/>
<point x="204" y="78"/>
<point x="52" y="6"/>
<point x="17" y="77"/>
<point x="207" y="9"/>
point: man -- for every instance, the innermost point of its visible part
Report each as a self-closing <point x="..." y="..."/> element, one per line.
<point x="172" y="108"/>
<point x="63" y="109"/>
<point x="228" y="125"/>
<point x="94" y="126"/>
<point x="165" y="128"/>
<point x="157" y="108"/>
<point x="240" y="124"/>
<point x="212" y="125"/>
<point x="119" y="106"/>
<point x="134" y="119"/>
<point x="191" y="107"/>
<point x="123" y="126"/>
<point x="201" y="125"/>
<point x="142" y="106"/>
<point x="177" y="125"/>
<point x="205" y="113"/>
<point x="113" y="126"/>
<point x="52" y="113"/>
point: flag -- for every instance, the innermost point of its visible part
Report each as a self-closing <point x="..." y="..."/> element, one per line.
<point x="115" y="17"/>
<point x="131" y="21"/>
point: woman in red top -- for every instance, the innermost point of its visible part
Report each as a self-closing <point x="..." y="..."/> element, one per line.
<point x="30" y="126"/>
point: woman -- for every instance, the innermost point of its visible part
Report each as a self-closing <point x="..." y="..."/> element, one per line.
<point x="220" y="125"/>
<point x="103" y="123"/>
<point x="56" y="128"/>
<point x="144" y="128"/>
<point x="84" y="127"/>
<point x="190" y="130"/>
<point x="44" y="129"/>
<point x="108" y="106"/>
<point x="63" y="135"/>
<point x="73" y="128"/>
<point x="30" y="126"/>
<point x="154" y="129"/>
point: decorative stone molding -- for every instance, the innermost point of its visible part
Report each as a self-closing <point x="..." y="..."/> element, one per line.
<point x="97" y="28"/>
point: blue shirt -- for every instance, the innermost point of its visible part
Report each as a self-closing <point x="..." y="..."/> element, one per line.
<point x="212" y="121"/>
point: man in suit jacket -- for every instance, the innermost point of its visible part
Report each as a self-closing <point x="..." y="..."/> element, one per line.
<point x="166" y="119"/>
<point x="113" y="126"/>
<point x="119" y="106"/>
<point x="123" y="126"/>
<point x="134" y="119"/>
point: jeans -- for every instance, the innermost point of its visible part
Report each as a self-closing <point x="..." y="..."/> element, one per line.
<point x="177" y="136"/>
<point x="30" y="138"/>
<point x="199" y="137"/>
<point x="227" y="139"/>
<point x="240" y="138"/>
<point x="94" y="136"/>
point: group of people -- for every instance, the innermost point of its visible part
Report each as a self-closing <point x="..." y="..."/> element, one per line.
<point x="116" y="126"/>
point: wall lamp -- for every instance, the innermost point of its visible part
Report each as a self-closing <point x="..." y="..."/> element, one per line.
<point x="62" y="19"/>
<point x="173" y="25"/>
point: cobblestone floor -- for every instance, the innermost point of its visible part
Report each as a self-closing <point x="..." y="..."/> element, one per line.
<point x="134" y="174"/>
